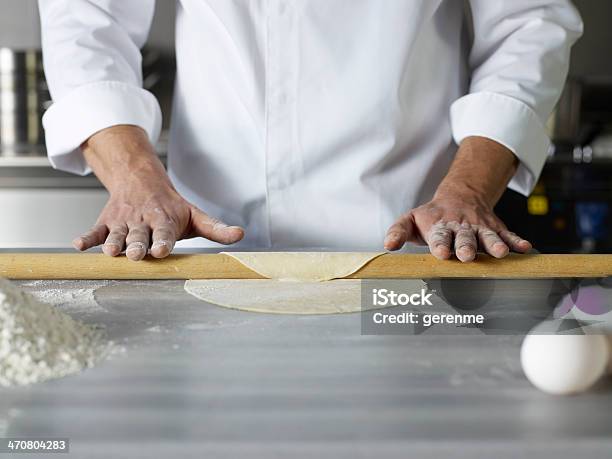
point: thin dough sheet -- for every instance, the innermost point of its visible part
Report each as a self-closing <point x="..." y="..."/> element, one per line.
<point x="298" y="283"/>
<point x="304" y="266"/>
<point x="278" y="297"/>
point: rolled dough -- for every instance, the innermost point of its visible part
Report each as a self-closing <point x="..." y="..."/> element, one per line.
<point x="304" y="266"/>
<point x="273" y="296"/>
<point x="305" y="293"/>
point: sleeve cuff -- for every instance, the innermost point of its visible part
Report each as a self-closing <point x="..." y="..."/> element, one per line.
<point x="93" y="107"/>
<point x="509" y="122"/>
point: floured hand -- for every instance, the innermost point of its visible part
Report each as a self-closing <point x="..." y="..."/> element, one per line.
<point x="460" y="219"/>
<point x="455" y="226"/>
<point x="144" y="210"/>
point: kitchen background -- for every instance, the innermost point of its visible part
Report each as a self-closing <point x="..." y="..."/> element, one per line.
<point x="569" y="211"/>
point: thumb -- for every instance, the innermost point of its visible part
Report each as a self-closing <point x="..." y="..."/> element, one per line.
<point x="400" y="232"/>
<point x="213" y="229"/>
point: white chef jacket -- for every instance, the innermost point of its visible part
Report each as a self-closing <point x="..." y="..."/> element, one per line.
<point x="312" y="123"/>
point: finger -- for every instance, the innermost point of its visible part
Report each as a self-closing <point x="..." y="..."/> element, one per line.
<point x="492" y="243"/>
<point x="163" y="241"/>
<point x="439" y="240"/>
<point x="137" y="242"/>
<point x="465" y="243"/>
<point x="515" y="242"/>
<point x="400" y="232"/>
<point x="213" y="229"/>
<point x="91" y="238"/>
<point x="115" y="241"/>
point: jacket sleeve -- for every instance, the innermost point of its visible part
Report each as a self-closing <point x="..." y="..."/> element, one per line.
<point x="91" y="52"/>
<point x="519" y="63"/>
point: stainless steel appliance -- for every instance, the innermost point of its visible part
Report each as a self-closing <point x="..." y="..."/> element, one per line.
<point x="23" y="98"/>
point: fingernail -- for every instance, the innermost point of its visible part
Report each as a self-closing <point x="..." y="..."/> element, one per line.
<point x="465" y="253"/>
<point x="111" y="245"/>
<point x="235" y="229"/>
<point x="526" y="244"/>
<point x="219" y="225"/>
<point x="391" y="238"/>
<point x="139" y="246"/>
<point x="111" y="249"/>
<point x="441" y="252"/>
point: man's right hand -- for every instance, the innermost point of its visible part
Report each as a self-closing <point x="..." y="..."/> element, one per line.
<point x="144" y="210"/>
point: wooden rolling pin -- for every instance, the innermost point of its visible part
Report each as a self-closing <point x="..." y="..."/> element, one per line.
<point x="219" y="266"/>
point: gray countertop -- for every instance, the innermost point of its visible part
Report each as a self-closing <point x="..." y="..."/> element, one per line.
<point x="198" y="380"/>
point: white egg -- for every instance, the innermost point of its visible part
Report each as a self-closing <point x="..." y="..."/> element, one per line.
<point x="564" y="364"/>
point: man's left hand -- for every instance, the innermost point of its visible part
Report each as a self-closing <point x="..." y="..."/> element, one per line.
<point x="455" y="225"/>
<point x="460" y="219"/>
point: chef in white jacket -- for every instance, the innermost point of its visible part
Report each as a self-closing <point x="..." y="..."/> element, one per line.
<point x="340" y="124"/>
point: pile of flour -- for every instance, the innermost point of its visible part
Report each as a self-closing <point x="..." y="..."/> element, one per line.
<point x="39" y="342"/>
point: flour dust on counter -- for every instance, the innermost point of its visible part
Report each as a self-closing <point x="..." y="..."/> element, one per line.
<point x="69" y="295"/>
<point x="39" y="342"/>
